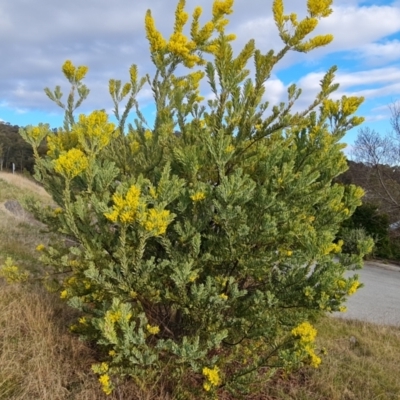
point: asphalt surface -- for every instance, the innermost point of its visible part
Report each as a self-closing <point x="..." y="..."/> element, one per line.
<point x="379" y="300"/>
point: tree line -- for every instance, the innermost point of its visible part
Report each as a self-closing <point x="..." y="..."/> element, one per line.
<point x="14" y="150"/>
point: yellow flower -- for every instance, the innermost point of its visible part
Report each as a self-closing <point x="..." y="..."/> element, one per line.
<point x="112" y="353"/>
<point x="157" y="221"/>
<point x="341" y="283"/>
<point x="353" y="288"/>
<point x="342" y="308"/>
<point x="64" y="294"/>
<point x="105" y="383"/>
<point x="198" y="196"/>
<point x="315" y="360"/>
<point x="72" y="73"/>
<point x="94" y="131"/>
<point x="58" y="210"/>
<point x="113" y="316"/>
<point x="153" y="330"/>
<point x="68" y="69"/>
<point x="71" y="163"/>
<point x="319" y="8"/>
<point x="206" y="386"/>
<point x="156" y="40"/>
<point x="213" y="378"/>
<point x="40" y="247"/>
<point x="222" y="7"/>
<point x="125" y="209"/>
<point x="223" y="296"/>
<point x="306" y="332"/>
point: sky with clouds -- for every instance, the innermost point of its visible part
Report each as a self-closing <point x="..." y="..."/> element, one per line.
<point x="108" y="36"/>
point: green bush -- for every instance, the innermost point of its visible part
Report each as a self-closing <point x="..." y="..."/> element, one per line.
<point x="201" y="256"/>
<point x="367" y="217"/>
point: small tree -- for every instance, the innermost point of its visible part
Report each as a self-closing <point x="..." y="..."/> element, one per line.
<point x="202" y="256"/>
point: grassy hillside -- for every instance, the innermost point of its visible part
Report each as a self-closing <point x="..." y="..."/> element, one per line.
<point x="41" y="359"/>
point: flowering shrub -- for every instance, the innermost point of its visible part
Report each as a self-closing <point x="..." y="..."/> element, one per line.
<point x="201" y="256"/>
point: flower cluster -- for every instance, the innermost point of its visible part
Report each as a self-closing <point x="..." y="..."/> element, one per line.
<point x="104" y="378"/>
<point x="198" y="196"/>
<point x="125" y="209"/>
<point x="105" y="383"/>
<point x="157" y="221"/>
<point x="72" y="73"/>
<point x="213" y="378"/>
<point x="155" y="38"/>
<point x="71" y="163"/>
<point x="153" y="330"/>
<point x="306" y="334"/>
<point x="334" y="247"/>
<point x="353" y="288"/>
<point x="94" y="131"/>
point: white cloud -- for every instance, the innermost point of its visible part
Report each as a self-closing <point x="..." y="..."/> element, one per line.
<point x="379" y="53"/>
<point x="109" y="37"/>
<point x="275" y="91"/>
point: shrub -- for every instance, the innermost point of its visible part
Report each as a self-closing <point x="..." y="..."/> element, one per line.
<point x="201" y="249"/>
<point x="367" y="217"/>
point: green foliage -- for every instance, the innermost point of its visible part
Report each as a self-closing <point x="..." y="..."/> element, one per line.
<point x="375" y="224"/>
<point x="202" y="255"/>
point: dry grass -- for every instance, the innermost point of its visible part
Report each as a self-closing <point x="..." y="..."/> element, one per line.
<point x="41" y="359"/>
<point x="363" y="363"/>
<point x="20" y="234"/>
<point x="21" y="182"/>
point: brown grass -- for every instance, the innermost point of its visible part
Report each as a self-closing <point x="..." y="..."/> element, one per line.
<point x="21" y="182"/>
<point x="40" y="358"/>
<point x="362" y="363"/>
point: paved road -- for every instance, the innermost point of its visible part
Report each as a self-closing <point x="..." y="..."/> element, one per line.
<point x="379" y="300"/>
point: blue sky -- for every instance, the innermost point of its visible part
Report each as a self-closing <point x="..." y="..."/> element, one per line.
<point x="108" y="36"/>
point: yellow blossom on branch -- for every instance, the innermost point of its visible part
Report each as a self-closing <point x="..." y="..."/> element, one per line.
<point x="157" y="221"/>
<point x="125" y="209"/>
<point x="213" y="378"/>
<point x="306" y="332"/>
<point x="72" y="73"/>
<point x="105" y="384"/>
<point x="198" y="196"/>
<point x="156" y="40"/>
<point x="94" y="131"/>
<point x="353" y="288"/>
<point x="221" y="8"/>
<point x="153" y="330"/>
<point x="71" y="163"/>
<point x="319" y="8"/>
